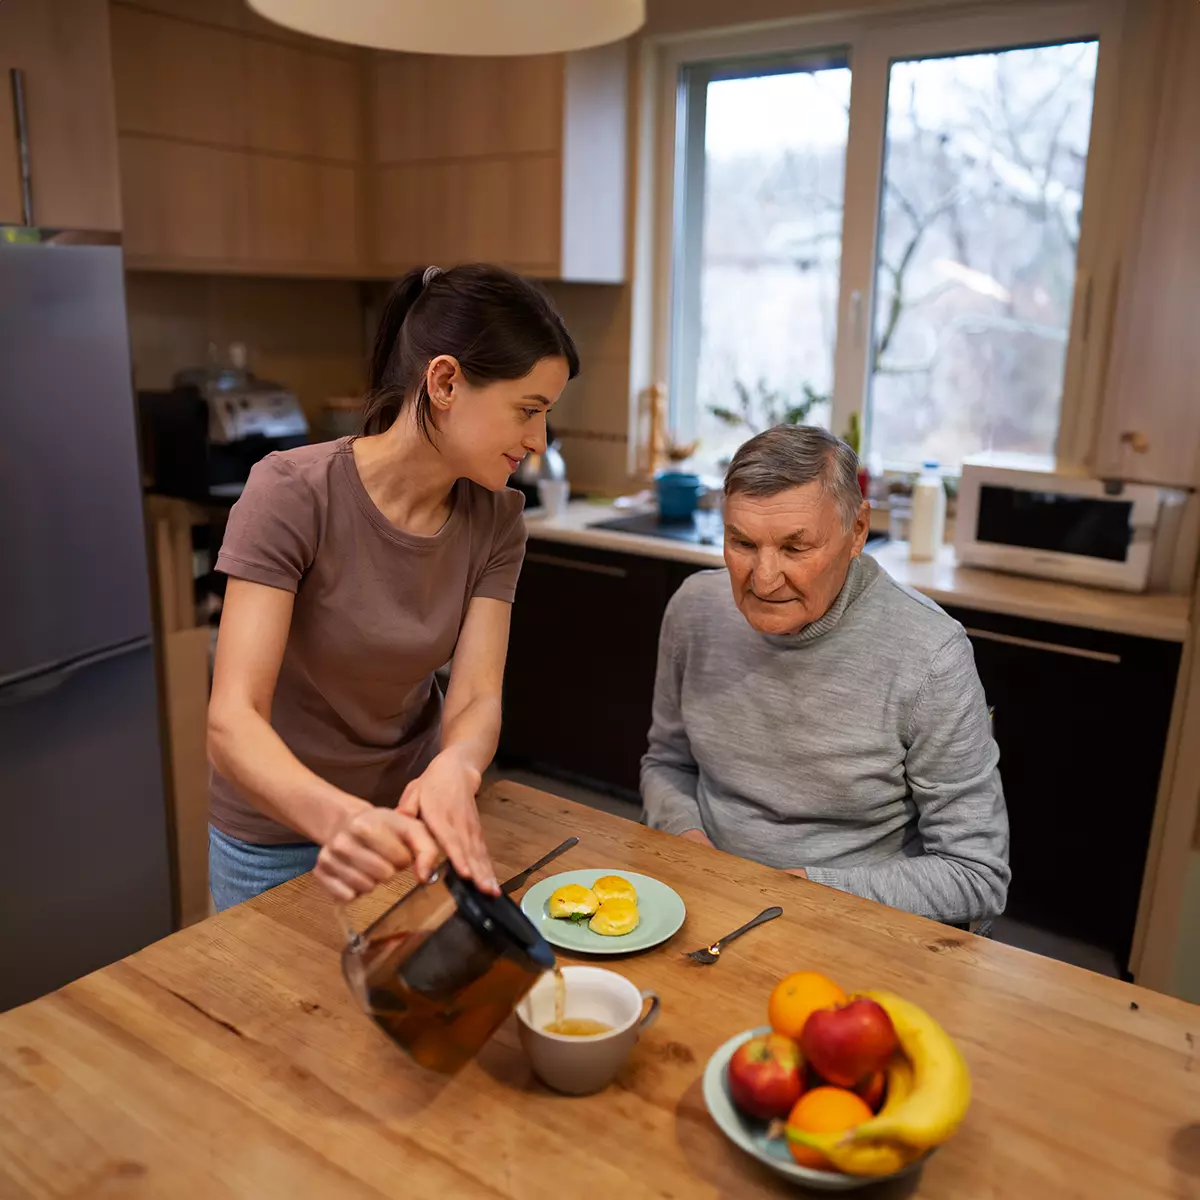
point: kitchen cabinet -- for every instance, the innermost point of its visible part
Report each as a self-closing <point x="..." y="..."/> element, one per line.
<point x="303" y="214"/>
<point x="472" y="210"/>
<point x="1081" y="720"/>
<point x="240" y="151"/>
<point x="1150" y="422"/>
<point x="519" y="161"/>
<point x="184" y="204"/>
<point x="585" y="639"/>
<point x="300" y="102"/>
<point x="62" y="47"/>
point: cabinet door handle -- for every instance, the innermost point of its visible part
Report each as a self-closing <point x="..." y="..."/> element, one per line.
<point x="21" y="121"/>
<point x="574" y="564"/>
<point x="1007" y="639"/>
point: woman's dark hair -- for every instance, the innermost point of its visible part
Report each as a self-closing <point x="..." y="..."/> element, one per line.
<point x="498" y="326"/>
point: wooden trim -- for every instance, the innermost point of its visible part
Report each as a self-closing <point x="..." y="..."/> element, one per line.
<point x="575" y="564"/>
<point x="253" y="268"/>
<point x="129" y="131"/>
<point x="262" y="269"/>
<point x="296" y="41"/>
<point x="441" y="159"/>
<point x="1007" y="639"/>
<point x="185" y="670"/>
<point x="1156" y="935"/>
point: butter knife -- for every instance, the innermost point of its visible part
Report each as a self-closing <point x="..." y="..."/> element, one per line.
<point x="519" y="880"/>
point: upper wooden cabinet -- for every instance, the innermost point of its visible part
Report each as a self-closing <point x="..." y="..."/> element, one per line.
<point x="240" y="152"/>
<point x="246" y="148"/>
<point x="1150" y="423"/>
<point x="519" y="161"/>
<point x="62" y="46"/>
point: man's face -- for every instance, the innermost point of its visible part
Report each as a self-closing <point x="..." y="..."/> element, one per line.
<point x="788" y="555"/>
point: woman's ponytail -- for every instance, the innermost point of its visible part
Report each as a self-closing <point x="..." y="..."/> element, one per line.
<point x="384" y="398"/>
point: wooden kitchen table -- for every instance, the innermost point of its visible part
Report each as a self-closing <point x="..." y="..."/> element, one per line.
<point x="230" y="1059"/>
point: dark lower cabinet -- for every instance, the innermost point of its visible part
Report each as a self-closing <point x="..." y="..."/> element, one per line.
<point x="1081" y="721"/>
<point x="580" y="680"/>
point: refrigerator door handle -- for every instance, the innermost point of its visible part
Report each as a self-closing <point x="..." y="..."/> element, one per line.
<point x="17" y="82"/>
<point x="32" y="687"/>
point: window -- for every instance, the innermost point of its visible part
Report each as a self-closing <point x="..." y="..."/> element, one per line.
<point x="975" y="266"/>
<point x="890" y="230"/>
<point x="761" y="219"/>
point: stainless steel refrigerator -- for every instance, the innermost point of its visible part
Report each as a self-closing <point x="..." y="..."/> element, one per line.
<point x="85" y="876"/>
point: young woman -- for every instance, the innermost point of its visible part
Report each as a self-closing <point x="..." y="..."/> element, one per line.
<point x="359" y="567"/>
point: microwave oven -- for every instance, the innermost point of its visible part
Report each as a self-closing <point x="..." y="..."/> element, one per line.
<point x="1018" y="513"/>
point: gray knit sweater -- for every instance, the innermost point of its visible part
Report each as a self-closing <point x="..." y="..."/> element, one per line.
<point x="859" y="748"/>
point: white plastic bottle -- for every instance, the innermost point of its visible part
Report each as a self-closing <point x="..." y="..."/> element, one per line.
<point x="927" y="528"/>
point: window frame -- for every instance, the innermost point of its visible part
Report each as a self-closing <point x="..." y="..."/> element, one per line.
<point x="871" y="44"/>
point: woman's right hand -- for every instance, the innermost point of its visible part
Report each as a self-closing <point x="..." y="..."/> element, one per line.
<point x="369" y="846"/>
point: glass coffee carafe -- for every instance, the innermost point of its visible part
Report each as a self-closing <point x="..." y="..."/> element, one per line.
<point x="443" y="967"/>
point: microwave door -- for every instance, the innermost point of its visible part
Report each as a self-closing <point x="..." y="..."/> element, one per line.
<point x="1056" y="523"/>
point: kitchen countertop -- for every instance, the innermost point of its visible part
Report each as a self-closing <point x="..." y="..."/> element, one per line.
<point x="1156" y="615"/>
<point x="230" y="1060"/>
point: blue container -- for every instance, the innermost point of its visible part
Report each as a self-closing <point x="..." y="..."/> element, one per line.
<point x="679" y="495"/>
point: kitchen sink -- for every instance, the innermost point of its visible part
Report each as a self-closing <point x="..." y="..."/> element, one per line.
<point x="701" y="529"/>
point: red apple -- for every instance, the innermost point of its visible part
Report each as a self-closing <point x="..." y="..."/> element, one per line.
<point x="848" y="1043"/>
<point x="765" y="1076"/>
<point x="871" y="1089"/>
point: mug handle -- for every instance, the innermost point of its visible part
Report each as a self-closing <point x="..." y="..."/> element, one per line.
<point x="652" y="1012"/>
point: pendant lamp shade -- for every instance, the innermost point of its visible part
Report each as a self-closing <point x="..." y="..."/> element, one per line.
<point x="484" y="27"/>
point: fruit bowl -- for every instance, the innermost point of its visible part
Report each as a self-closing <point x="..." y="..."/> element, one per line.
<point x="751" y="1135"/>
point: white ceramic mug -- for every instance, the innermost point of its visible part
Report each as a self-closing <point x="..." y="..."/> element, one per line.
<point x="554" y="495"/>
<point x="579" y="1065"/>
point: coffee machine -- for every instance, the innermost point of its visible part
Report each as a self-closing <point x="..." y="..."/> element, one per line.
<point x="200" y="438"/>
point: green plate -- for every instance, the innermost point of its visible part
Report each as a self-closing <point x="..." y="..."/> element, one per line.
<point x="751" y="1135"/>
<point x="660" y="908"/>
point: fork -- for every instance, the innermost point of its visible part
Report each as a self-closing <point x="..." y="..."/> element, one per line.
<point x="710" y="954"/>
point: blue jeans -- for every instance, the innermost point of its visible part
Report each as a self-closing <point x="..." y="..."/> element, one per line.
<point x="240" y="870"/>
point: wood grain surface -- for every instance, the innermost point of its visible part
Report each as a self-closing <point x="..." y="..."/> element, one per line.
<point x="230" y="1060"/>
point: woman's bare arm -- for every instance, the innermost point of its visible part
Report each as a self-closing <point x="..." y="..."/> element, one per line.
<point x="444" y="795"/>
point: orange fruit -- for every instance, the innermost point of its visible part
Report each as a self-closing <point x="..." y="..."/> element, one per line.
<point x="797" y="996"/>
<point x="824" y="1110"/>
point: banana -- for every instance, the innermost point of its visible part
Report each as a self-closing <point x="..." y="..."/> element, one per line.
<point x="871" y="1158"/>
<point x="941" y="1088"/>
<point x="879" y="1156"/>
<point x="899" y="1083"/>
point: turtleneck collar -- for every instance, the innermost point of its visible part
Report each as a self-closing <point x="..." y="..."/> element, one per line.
<point x="862" y="573"/>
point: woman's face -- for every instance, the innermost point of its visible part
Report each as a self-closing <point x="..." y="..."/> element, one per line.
<point x="486" y="430"/>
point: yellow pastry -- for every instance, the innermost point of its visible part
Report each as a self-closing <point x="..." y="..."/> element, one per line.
<point x="573" y="902"/>
<point x="615" y="917"/>
<point x="613" y="887"/>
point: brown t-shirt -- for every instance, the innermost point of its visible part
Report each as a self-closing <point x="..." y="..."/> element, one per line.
<point x="377" y="611"/>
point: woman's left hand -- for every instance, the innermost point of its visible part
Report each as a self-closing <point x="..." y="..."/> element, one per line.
<point x="443" y="796"/>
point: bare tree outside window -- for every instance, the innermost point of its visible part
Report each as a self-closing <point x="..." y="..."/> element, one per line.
<point x="982" y="193"/>
<point x="775" y="152"/>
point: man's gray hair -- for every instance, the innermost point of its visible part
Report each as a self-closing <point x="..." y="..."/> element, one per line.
<point x="789" y="456"/>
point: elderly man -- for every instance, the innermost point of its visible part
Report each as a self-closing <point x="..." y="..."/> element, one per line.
<point x="812" y="714"/>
